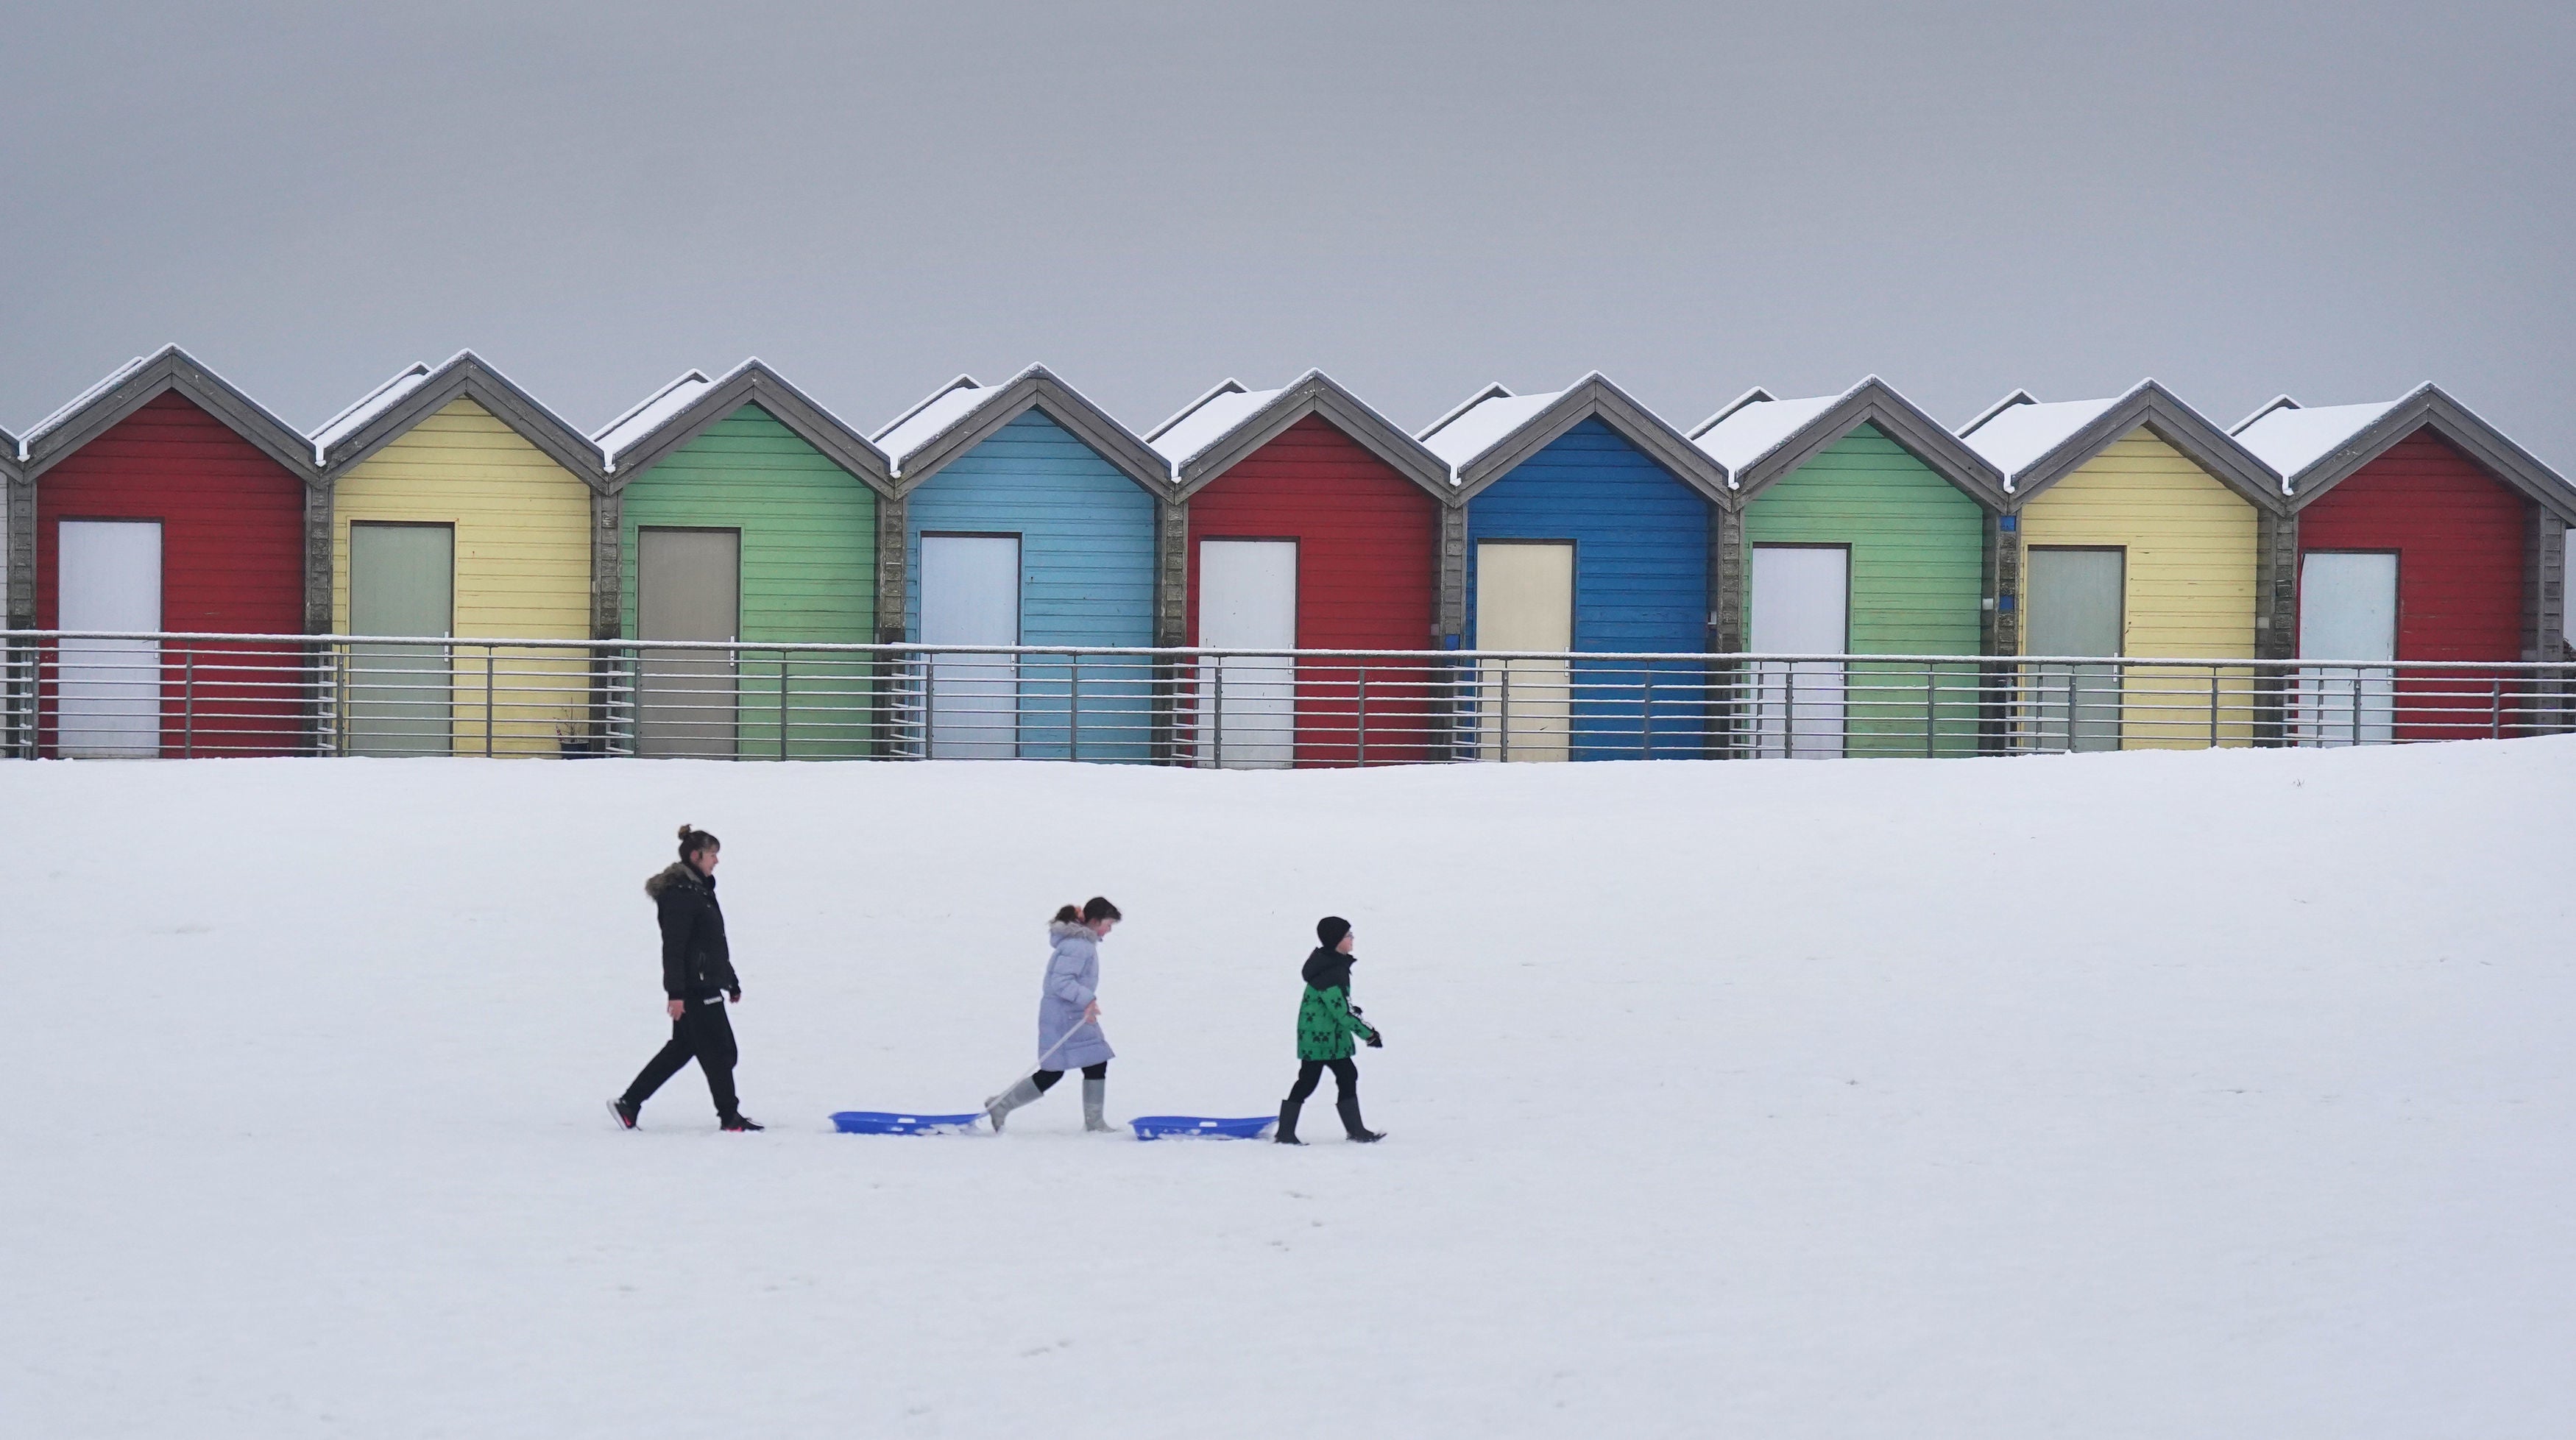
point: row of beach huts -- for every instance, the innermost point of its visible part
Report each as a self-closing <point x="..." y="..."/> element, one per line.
<point x="450" y="502"/>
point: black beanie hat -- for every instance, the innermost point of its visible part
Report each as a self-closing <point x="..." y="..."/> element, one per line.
<point x="1331" y="929"/>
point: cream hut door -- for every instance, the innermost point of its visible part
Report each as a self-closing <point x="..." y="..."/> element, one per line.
<point x="1524" y="601"/>
<point x="109" y="691"/>
<point x="1248" y="601"/>
<point x="2347" y="611"/>
<point x="1801" y="606"/>
<point x="688" y="586"/>
<point x="970" y="595"/>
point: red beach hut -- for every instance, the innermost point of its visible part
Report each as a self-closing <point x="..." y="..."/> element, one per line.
<point x="167" y="500"/>
<point x="1313" y="523"/>
<point x="2424" y="534"/>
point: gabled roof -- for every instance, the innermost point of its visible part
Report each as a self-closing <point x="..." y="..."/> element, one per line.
<point x="144" y="379"/>
<point x="8" y="456"/>
<point x="390" y="411"/>
<point x="681" y="411"/>
<point x="961" y="415"/>
<point x="1494" y="431"/>
<point x="2035" y="445"/>
<point x="1759" y="439"/>
<point x="1218" y="429"/>
<point x="2316" y="448"/>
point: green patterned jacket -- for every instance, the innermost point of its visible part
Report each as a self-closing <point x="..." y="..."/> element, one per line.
<point x="1326" y="1028"/>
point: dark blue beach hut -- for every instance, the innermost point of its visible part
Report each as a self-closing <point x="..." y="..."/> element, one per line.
<point x="1588" y="526"/>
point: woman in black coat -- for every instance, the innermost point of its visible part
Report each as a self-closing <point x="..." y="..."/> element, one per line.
<point x="697" y="980"/>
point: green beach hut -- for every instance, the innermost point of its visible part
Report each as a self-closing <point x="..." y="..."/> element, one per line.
<point x="1860" y="526"/>
<point x="744" y="511"/>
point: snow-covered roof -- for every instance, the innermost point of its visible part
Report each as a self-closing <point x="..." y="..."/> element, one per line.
<point x="932" y="418"/>
<point x="374" y="403"/>
<point x="81" y="401"/>
<point x="620" y="434"/>
<point x="2013" y="437"/>
<point x="2290" y="439"/>
<point x="1737" y="437"/>
<point x="1482" y="423"/>
<point x="1206" y="420"/>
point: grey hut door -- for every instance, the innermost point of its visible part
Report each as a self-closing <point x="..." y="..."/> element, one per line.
<point x="2077" y="599"/>
<point x="2347" y="611"/>
<point x="970" y="595"/>
<point x="108" y="694"/>
<point x="688" y="586"/>
<point x="402" y="581"/>
<point x="1801" y="606"/>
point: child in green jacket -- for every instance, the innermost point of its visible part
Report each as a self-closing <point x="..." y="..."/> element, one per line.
<point x="1327" y="1024"/>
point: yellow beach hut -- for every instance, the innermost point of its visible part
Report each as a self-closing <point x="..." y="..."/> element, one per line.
<point x="463" y="509"/>
<point x="2138" y="529"/>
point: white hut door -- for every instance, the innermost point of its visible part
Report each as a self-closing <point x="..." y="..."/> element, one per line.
<point x="2078" y="599"/>
<point x="2347" y="611"/>
<point x="1801" y="606"/>
<point x="688" y="586"/>
<point x="970" y="595"/>
<point x="110" y="690"/>
<point x="1248" y="601"/>
<point x="1524" y="601"/>
<point x="402" y="581"/>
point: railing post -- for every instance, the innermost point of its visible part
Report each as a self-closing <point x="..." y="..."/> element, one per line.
<point x="1363" y="725"/>
<point x="1929" y="711"/>
<point x="1073" y="706"/>
<point x="188" y="707"/>
<point x="786" y="689"/>
<point x="491" y="668"/>
<point x="1503" y="725"/>
<point x="1646" y="714"/>
<point x="2213" y="707"/>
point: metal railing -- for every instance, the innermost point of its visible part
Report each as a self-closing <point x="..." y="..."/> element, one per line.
<point x="180" y="695"/>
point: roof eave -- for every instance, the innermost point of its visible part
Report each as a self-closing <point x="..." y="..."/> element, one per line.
<point x="468" y="377"/>
<point x="1314" y="393"/>
<point x="753" y="383"/>
<point x="1875" y="402"/>
<point x="1596" y="395"/>
<point x="171" y="369"/>
<point x="1038" y="388"/>
<point x="2148" y="405"/>
<point x="2429" y="407"/>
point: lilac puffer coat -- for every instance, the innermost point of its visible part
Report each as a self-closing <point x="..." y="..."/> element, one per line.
<point x="1072" y="980"/>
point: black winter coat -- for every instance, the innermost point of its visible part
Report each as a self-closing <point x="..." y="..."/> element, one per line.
<point x="696" y="963"/>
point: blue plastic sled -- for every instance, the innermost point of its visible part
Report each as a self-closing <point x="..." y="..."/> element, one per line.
<point x="888" y="1122"/>
<point x="1178" y="1127"/>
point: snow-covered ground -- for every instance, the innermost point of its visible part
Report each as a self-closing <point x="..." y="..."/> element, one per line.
<point x="2142" y="1095"/>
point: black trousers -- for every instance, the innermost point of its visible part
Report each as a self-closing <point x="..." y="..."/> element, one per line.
<point x="1045" y="1079"/>
<point x="702" y="1033"/>
<point x="1310" y="1073"/>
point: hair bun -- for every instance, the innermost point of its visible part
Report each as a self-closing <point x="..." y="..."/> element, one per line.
<point x="685" y="828"/>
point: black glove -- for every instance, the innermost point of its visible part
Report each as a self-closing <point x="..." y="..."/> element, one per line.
<point x="1376" y="1041"/>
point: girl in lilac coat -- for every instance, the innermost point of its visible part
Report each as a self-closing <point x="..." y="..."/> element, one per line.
<point x="1069" y="1035"/>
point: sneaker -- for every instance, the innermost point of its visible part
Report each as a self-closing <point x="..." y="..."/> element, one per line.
<point x="742" y="1122"/>
<point x="624" y="1113"/>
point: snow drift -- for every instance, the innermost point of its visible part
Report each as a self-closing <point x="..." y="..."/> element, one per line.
<point x="2153" y="1095"/>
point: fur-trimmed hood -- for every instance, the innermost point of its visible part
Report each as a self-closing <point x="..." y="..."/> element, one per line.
<point x="1067" y="929"/>
<point x="678" y="872"/>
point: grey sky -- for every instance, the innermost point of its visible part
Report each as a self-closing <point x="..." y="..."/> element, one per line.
<point x="2337" y="200"/>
